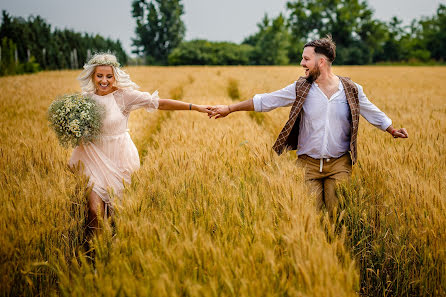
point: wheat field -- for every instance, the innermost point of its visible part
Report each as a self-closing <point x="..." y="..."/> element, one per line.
<point x="213" y="211"/>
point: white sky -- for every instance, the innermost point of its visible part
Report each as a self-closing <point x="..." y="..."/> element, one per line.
<point x="217" y="20"/>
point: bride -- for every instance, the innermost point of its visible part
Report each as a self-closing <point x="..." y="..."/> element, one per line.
<point x="110" y="160"/>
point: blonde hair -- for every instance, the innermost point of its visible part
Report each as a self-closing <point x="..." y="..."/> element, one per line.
<point x="122" y="78"/>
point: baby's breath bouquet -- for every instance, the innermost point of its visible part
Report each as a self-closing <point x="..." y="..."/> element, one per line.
<point x="76" y="119"/>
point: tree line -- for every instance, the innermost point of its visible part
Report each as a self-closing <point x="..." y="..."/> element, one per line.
<point x="30" y="45"/>
<point x="360" y="38"/>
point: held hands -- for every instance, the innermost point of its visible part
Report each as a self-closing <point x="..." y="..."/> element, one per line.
<point x="219" y="111"/>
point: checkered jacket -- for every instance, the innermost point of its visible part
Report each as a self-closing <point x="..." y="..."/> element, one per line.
<point x="287" y="139"/>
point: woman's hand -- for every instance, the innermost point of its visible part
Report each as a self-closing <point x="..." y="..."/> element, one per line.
<point x="203" y="108"/>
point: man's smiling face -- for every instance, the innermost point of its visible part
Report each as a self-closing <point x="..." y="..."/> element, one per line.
<point x="310" y="63"/>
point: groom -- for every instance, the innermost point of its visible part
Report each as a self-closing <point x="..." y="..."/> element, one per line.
<point x="323" y="122"/>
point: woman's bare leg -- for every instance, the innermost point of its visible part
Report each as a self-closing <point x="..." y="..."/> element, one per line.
<point x="96" y="209"/>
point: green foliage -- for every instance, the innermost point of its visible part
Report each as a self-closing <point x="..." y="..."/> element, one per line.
<point x="349" y="22"/>
<point x="361" y="39"/>
<point x="31" y="66"/>
<point x="356" y="53"/>
<point x="202" y="52"/>
<point x="269" y="46"/>
<point x="8" y="64"/>
<point x="271" y="42"/>
<point x="392" y="48"/>
<point x="159" y="28"/>
<point x="433" y="34"/>
<point x="44" y="48"/>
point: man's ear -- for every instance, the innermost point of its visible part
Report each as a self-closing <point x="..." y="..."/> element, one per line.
<point x="322" y="62"/>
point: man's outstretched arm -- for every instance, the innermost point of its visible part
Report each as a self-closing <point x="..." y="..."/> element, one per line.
<point x="376" y="117"/>
<point x="220" y="111"/>
<point x="260" y="102"/>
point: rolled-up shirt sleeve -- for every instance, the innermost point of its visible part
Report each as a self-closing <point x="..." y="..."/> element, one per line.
<point x="372" y="113"/>
<point x="269" y="101"/>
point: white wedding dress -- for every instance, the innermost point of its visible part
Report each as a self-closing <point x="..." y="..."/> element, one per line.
<point x="110" y="160"/>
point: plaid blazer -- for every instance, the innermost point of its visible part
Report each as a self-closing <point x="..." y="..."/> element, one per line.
<point x="287" y="139"/>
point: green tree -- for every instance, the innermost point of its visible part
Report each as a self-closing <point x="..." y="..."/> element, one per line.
<point x="39" y="40"/>
<point x="16" y="29"/>
<point x="203" y="52"/>
<point x="433" y="33"/>
<point x="392" y="49"/>
<point x="271" y="42"/>
<point x="8" y="63"/>
<point x="350" y="23"/>
<point x="159" y="28"/>
<point x="38" y="46"/>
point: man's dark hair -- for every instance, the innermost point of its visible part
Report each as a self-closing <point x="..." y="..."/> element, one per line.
<point x="324" y="46"/>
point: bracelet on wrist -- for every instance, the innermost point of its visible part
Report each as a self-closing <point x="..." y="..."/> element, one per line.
<point x="190" y="106"/>
<point x="393" y="133"/>
<point x="229" y="108"/>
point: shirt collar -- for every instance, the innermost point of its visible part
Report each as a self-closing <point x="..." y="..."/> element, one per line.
<point x="340" y="86"/>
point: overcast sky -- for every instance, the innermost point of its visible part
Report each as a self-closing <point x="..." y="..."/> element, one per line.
<point x="216" y="20"/>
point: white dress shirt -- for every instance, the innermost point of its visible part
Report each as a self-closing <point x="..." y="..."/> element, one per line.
<point x="324" y="128"/>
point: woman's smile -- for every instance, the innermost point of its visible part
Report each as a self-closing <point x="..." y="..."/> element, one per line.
<point x="104" y="80"/>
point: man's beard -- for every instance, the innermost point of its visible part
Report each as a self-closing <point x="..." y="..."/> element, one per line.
<point x="314" y="74"/>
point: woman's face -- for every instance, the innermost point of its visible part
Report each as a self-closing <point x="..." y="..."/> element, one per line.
<point x="104" y="80"/>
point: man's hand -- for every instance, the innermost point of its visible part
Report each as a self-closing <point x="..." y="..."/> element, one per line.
<point x="220" y="111"/>
<point x="399" y="133"/>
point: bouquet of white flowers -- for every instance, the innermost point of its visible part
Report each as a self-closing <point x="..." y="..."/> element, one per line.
<point x="76" y="119"/>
